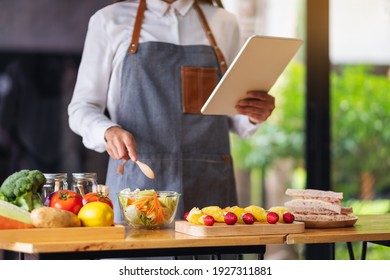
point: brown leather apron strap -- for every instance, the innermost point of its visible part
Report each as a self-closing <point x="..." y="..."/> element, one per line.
<point x="137" y="30"/>
<point x="137" y="27"/>
<point x="210" y="36"/>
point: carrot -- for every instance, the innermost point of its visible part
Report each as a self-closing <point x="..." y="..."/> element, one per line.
<point x="7" y="223"/>
<point x="139" y="203"/>
<point x="151" y="209"/>
<point x="159" y="213"/>
<point x="160" y="216"/>
<point x="150" y="205"/>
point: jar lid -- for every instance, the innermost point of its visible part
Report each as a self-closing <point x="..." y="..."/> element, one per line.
<point x="84" y="175"/>
<point x="55" y="175"/>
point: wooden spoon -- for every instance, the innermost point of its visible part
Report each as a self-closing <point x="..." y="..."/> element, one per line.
<point x="146" y="169"/>
<point x="143" y="166"/>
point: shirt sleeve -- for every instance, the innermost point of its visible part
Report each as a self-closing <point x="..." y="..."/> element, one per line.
<point x="86" y="110"/>
<point x="240" y="125"/>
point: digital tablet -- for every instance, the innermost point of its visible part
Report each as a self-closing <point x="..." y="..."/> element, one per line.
<point x="258" y="65"/>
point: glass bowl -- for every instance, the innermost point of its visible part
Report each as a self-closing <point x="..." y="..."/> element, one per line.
<point x="148" y="209"/>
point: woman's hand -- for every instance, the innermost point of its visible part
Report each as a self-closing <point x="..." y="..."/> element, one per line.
<point x="120" y="144"/>
<point x="258" y="106"/>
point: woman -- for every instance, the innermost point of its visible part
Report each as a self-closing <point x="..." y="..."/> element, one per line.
<point x="142" y="61"/>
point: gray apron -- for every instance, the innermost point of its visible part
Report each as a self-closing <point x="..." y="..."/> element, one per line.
<point x="189" y="153"/>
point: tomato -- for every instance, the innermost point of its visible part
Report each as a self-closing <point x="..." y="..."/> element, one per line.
<point x="67" y="200"/>
<point x="97" y="197"/>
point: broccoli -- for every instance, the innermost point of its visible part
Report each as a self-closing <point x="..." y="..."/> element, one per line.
<point x="2" y="197"/>
<point x="23" y="189"/>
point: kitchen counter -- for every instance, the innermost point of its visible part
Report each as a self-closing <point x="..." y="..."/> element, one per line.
<point x="132" y="243"/>
<point x="367" y="228"/>
<point x="166" y="242"/>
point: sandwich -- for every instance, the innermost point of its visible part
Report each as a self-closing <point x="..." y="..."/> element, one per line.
<point x="317" y="205"/>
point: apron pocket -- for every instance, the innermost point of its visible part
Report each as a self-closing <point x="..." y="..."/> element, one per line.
<point x="197" y="85"/>
<point x="208" y="180"/>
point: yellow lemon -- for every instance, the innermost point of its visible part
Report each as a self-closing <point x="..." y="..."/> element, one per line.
<point x="214" y="211"/>
<point x="96" y="214"/>
<point x="194" y="215"/>
<point x="256" y="211"/>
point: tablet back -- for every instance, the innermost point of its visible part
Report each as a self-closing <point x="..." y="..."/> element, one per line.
<point x="257" y="66"/>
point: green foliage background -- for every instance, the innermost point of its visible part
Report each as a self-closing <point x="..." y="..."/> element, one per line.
<point x="282" y="134"/>
<point x="360" y="114"/>
<point x="361" y="132"/>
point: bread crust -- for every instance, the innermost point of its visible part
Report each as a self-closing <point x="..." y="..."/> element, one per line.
<point x="313" y="206"/>
<point x="303" y="218"/>
<point x="313" y="193"/>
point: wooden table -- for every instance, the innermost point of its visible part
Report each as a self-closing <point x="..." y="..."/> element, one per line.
<point x="139" y="243"/>
<point x="167" y="242"/>
<point x="368" y="228"/>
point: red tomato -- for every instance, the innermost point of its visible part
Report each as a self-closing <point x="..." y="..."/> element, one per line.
<point x="67" y="200"/>
<point x="97" y="196"/>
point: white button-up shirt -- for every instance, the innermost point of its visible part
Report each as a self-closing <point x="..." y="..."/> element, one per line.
<point x="108" y="37"/>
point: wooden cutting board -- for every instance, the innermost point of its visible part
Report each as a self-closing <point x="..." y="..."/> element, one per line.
<point x="62" y="234"/>
<point x="222" y="229"/>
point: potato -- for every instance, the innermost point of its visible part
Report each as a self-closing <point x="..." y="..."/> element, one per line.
<point x="49" y="217"/>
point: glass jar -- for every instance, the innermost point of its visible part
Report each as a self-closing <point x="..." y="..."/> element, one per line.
<point x="54" y="183"/>
<point x="84" y="183"/>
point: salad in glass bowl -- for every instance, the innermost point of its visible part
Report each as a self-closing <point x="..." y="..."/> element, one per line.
<point x="148" y="208"/>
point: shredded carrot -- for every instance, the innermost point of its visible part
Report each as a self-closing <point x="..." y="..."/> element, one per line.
<point x="141" y="202"/>
<point x="156" y="207"/>
<point x="160" y="216"/>
<point x="150" y="205"/>
<point x="151" y="209"/>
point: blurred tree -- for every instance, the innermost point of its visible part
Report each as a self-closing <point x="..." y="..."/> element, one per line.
<point x="282" y="135"/>
<point x="360" y="139"/>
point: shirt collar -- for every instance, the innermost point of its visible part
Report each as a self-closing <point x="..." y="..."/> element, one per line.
<point x="160" y="7"/>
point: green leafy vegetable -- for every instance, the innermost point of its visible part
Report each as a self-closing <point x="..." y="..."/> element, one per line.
<point x="23" y="189"/>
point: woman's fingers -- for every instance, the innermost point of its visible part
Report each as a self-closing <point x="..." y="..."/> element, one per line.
<point x="258" y="106"/>
<point x="120" y="144"/>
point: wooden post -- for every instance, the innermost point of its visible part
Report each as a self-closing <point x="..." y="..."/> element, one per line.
<point x="317" y="108"/>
